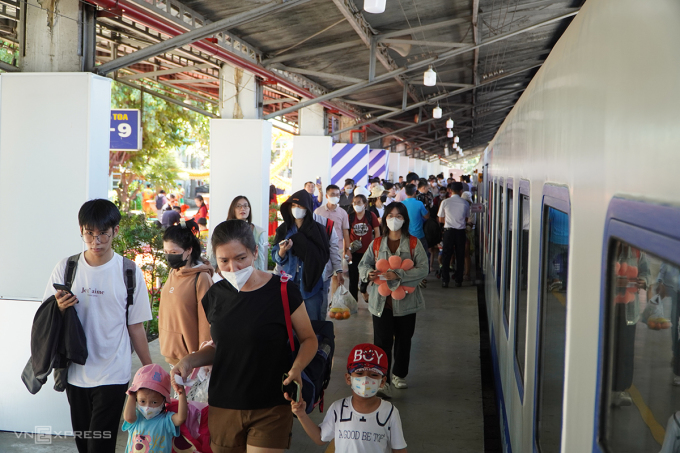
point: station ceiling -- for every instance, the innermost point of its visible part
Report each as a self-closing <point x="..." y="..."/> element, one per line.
<point x="324" y="46"/>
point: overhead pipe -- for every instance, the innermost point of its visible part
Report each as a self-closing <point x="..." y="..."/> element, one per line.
<point x="147" y="18"/>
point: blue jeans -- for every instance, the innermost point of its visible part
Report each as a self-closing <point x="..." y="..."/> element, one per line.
<point x="316" y="306"/>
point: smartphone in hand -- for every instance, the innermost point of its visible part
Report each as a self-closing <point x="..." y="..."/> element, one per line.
<point x="292" y="389"/>
<point x="318" y="179"/>
<point x="60" y="287"/>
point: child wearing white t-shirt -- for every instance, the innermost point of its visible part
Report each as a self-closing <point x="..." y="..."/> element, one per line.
<point x="361" y="423"/>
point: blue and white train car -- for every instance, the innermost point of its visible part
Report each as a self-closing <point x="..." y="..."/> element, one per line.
<point x="581" y="239"/>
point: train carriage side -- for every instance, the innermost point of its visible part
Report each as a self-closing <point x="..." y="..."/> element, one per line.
<point x="581" y="245"/>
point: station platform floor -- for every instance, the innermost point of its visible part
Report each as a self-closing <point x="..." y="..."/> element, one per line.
<point x="441" y="410"/>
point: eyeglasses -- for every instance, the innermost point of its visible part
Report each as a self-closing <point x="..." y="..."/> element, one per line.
<point x="89" y="238"/>
<point x="242" y="206"/>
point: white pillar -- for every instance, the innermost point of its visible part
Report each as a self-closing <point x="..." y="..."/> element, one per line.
<point x="311" y="160"/>
<point x="52" y="38"/>
<point x="240" y="154"/>
<point x="54" y="156"/>
<point x="238" y="94"/>
<point x="394" y="167"/>
<point x="311" y="120"/>
<point x="412" y="164"/>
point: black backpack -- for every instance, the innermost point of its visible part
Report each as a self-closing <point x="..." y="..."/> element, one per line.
<point x="433" y="232"/>
<point x="317" y="374"/>
<point x="159" y="201"/>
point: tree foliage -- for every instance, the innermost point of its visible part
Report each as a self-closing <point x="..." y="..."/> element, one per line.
<point x="167" y="129"/>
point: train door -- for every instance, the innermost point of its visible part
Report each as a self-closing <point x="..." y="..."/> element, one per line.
<point x="507" y="261"/>
<point x="521" y="283"/>
<point x="552" y="316"/>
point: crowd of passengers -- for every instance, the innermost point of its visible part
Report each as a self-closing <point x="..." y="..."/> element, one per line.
<point x="222" y="327"/>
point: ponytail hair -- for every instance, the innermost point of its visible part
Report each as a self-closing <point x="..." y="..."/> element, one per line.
<point x="184" y="234"/>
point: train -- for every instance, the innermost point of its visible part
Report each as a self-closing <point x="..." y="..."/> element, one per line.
<point x="580" y="239"/>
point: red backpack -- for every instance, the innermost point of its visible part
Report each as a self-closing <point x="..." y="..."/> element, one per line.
<point x="413" y="242"/>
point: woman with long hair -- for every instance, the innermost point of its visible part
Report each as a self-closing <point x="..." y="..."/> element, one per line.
<point x="240" y="209"/>
<point x="394" y="320"/>
<point x="202" y="208"/>
<point x="182" y="325"/>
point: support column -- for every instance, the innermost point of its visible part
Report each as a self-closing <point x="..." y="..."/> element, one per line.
<point x="311" y="149"/>
<point x="238" y="94"/>
<point x="403" y="166"/>
<point x="52" y="36"/>
<point x="54" y="156"/>
<point x="240" y="155"/>
<point x="393" y="174"/>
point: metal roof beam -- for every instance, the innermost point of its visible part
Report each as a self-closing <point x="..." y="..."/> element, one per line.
<point x="198" y="34"/>
<point x="414" y="30"/>
<point x="369" y="105"/>
<point x="319" y="74"/>
<point x="311" y="52"/>
<point x="424" y="43"/>
<point x="169" y="99"/>
<point x="378" y="51"/>
<point x="449" y="84"/>
<point x="143" y="75"/>
<point x="447" y="54"/>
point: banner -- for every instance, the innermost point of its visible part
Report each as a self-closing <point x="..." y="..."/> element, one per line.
<point x="349" y="161"/>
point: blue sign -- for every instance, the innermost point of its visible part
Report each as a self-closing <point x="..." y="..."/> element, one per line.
<point x="125" y="130"/>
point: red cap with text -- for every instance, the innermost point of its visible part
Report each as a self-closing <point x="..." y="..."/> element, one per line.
<point x="367" y="356"/>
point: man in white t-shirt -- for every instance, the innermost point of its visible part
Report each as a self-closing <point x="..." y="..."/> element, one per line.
<point x="363" y="422"/>
<point x="453" y="213"/>
<point x="96" y="390"/>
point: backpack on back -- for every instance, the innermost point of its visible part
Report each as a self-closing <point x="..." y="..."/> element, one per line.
<point x="412" y="244"/>
<point x="316" y="375"/>
<point x="159" y="201"/>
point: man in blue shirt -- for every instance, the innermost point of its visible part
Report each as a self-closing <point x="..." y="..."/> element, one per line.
<point x="417" y="215"/>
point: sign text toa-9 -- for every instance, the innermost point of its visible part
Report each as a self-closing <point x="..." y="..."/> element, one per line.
<point x="125" y="130"/>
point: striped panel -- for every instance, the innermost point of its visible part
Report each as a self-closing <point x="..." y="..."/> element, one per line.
<point x="349" y="161"/>
<point x="378" y="163"/>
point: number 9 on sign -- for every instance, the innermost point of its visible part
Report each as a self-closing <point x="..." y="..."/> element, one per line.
<point x="124" y="130"/>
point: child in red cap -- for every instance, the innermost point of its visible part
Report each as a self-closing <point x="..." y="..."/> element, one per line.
<point x="362" y="423"/>
<point x="150" y="426"/>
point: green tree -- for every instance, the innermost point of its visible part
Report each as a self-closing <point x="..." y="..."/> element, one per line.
<point x="167" y="128"/>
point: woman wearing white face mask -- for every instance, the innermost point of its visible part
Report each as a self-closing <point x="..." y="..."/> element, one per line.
<point x="364" y="226"/>
<point x="240" y="209"/>
<point x="248" y="326"/>
<point x="394" y="321"/>
<point x="302" y="249"/>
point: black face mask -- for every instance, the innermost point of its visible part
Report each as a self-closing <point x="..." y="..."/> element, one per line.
<point x="175" y="260"/>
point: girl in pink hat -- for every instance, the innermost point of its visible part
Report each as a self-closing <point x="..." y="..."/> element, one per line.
<point x="150" y="426"/>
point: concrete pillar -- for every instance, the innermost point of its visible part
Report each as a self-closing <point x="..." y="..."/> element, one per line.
<point x="403" y="166"/>
<point x="54" y="156"/>
<point x="240" y="155"/>
<point x="311" y="149"/>
<point x="238" y="94"/>
<point x="51" y="37"/>
<point x="412" y="164"/>
<point x="393" y="173"/>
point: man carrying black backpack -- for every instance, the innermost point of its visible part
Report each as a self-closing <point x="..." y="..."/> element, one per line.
<point x="112" y="302"/>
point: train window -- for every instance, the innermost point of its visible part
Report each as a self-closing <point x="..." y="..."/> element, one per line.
<point x="521" y="280"/>
<point x="552" y="328"/>
<point x="499" y="236"/>
<point x="644" y="362"/>
<point x="508" y="257"/>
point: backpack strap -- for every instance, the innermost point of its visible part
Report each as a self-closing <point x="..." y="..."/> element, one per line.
<point x="70" y="271"/>
<point x="376" y="246"/>
<point x="129" y="271"/>
<point x="413" y="243"/>
<point x="329" y="227"/>
<point x="286" y="310"/>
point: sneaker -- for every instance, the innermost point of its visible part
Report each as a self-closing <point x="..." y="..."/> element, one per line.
<point x="423" y="283"/>
<point x="399" y="383"/>
<point x="621" y="399"/>
<point x="385" y="391"/>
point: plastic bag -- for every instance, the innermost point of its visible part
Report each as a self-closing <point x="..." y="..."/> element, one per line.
<point x="653" y="314"/>
<point x="343" y="302"/>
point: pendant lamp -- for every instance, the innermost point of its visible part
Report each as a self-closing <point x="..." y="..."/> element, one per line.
<point x="456" y="139"/>
<point x="374" y="6"/>
<point x="437" y="112"/>
<point x="449" y="134"/>
<point x="430" y="77"/>
<point x="449" y="123"/>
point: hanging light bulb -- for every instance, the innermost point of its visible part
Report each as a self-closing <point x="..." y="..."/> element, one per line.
<point x="449" y="134"/>
<point x="456" y="139"/>
<point x="429" y="77"/>
<point x="449" y="123"/>
<point x="446" y="150"/>
<point x="374" y="6"/>
<point x="437" y="112"/>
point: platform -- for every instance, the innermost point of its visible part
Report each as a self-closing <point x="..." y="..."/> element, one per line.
<point x="442" y="408"/>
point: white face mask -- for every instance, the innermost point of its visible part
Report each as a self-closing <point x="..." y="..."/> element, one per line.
<point x="334" y="200"/>
<point x="149" y="412"/>
<point x="365" y="386"/>
<point x="359" y="208"/>
<point x="299" y="213"/>
<point x="394" y="223"/>
<point x="238" y="278"/>
<point x="349" y="191"/>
